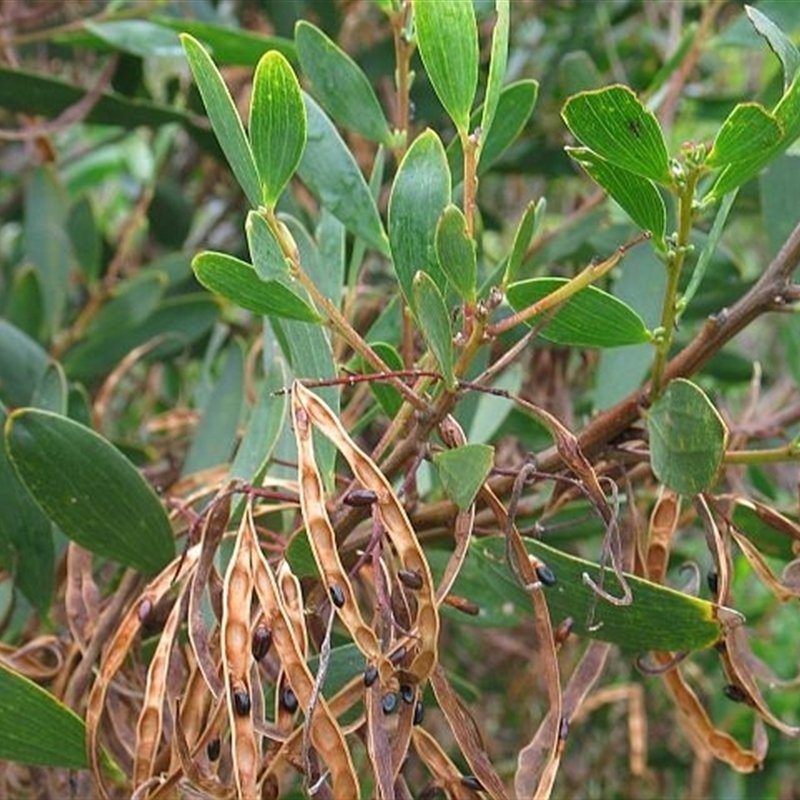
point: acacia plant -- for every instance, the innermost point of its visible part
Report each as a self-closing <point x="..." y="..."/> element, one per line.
<point x="432" y="489"/>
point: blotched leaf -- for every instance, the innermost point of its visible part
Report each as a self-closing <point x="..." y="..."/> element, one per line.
<point x="748" y="130"/>
<point x="590" y="318"/>
<point x="463" y="470"/>
<point x="339" y="84"/>
<point x="637" y="196"/>
<point x="614" y="124"/>
<point x="277" y="124"/>
<point x="497" y="66"/>
<point x="224" y="118"/>
<point x="89" y="489"/>
<point x="659" y="618"/>
<point x="238" y="281"/>
<point x="332" y="174"/>
<point x="687" y="438"/>
<point x="447" y="37"/>
<point x="420" y="194"/>
<point x="38" y="729"/>
<point x="456" y="252"/>
<point x="434" y="322"/>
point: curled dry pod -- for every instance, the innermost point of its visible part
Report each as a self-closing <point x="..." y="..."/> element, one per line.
<point x="370" y="675"/>
<point x="289" y="699"/>
<point x="410" y="578"/>
<point x="389" y="703"/>
<point x="241" y="702"/>
<point x="262" y="641"/>
<point x="214" y="748"/>
<point x="337" y="595"/>
<point x="359" y="497"/>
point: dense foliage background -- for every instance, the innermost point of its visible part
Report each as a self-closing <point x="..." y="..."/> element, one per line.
<point x="146" y="369"/>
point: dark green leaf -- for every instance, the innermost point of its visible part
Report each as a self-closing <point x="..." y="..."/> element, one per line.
<point x="420" y="194"/>
<point x="779" y="43"/>
<point x="497" y="66"/>
<point x="447" y="37"/>
<point x="89" y="489"/>
<point x="463" y="470"/>
<point x="637" y="196"/>
<point x="659" y="618"/>
<point x="139" y="37"/>
<point x="22" y="364"/>
<point x="238" y="281"/>
<point x="388" y="397"/>
<point x="224" y="118"/>
<point x="590" y="318"/>
<point x="277" y="124"/>
<point x="456" y="253"/>
<point x="614" y="124"/>
<point x="743" y="137"/>
<point x="85" y="238"/>
<point x="268" y="259"/>
<point x="526" y="229"/>
<point x="339" y="84"/>
<point x="130" y="302"/>
<point x="332" y="174"/>
<point x="687" y="438"/>
<point x="37" y="728"/>
<point x="434" y="322"/>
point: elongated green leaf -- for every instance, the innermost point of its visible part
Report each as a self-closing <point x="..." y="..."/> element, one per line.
<point x="615" y="125"/>
<point x="456" y="253"/>
<point x="779" y="43"/>
<point x="387" y="396"/>
<point x="528" y="225"/>
<point x="215" y="435"/>
<point x="497" y="66"/>
<point x="659" y="618"/>
<point x="745" y="134"/>
<point x="339" y="84"/>
<point x="514" y="109"/>
<point x="447" y="37"/>
<point x="89" y="489"/>
<point x="22" y="363"/>
<point x="238" y="281"/>
<point x="268" y="259"/>
<point x="434" y="322"/>
<point x="38" y="729"/>
<point x="224" y="118"/>
<point x="463" y="470"/>
<point x="590" y="318"/>
<point x="332" y="174"/>
<point x="687" y="438"/>
<point x="277" y="124"/>
<point x="138" y="37"/>
<point x="132" y="301"/>
<point x="176" y="323"/>
<point x="637" y="196"/>
<point x="420" y="194"/>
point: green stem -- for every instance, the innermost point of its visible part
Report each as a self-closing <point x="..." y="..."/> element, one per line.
<point x="675" y="262"/>
<point x="772" y="455"/>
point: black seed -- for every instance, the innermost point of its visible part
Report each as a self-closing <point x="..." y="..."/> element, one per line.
<point x="546" y="575"/>
<point x="145" y="609"/>
<point x="241" y="702"/>
<point x="471" y="782"/>
<point x="262" y="640"/>
<point x="410" y="578"/>
<point x="370" y="675"/>
<point x="407" y="693"/>
<point x="213" y="749"/>
<point x="419" y="713"/>
<point x="289" y="699"/>
<point x="360" y="497"/>
<point x="712" y="579"/>
<point x="337" y="595"/>
<point x="735" y="693"/>
<point x="389" y="702"/>
<point x="398" y="654"/>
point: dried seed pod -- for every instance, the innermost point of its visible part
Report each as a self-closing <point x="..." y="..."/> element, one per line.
<point x="262" y="641"/>
<point x="564" y="629"/>
<point x="735" y="693"/>
<point x="407" y="693"/>
<point x="471" y="782"/>
<point x="289" y="699"/>
<point x="337" y="595"/>
<point x="410" y="578"/>
<point x="214" y="748"/>
<point x="389" y="703"/>
<point x="462" y="604"/>
<point x="241" y="702"/>
<point x="370" y="675"/>
<point x="419" y="712"/>
<point x="359" y="497"/>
